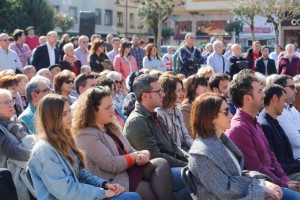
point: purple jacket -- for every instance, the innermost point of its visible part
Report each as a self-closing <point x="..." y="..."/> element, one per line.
<point x="249" y="137"/>
<point x="287" y="67"/>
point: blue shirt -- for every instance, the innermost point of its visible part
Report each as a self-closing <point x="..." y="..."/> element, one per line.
<point x="82" y="56"/>
<point x="27" y="116"/>
<point x="139" y="56"/>
<point x="216" y="61"/>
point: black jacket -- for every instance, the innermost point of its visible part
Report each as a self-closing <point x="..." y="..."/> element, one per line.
<point x="260" y="66"/>
<point x="250" y="57"/>
<point x="41" y="57"/>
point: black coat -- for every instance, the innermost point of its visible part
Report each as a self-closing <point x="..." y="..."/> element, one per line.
<point x="260" y="66"/>
<point x="41" y="57"/>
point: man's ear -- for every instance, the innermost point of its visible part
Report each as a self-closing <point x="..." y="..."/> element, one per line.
<point x="215" y="90"/>
<point x="275" y="98"/>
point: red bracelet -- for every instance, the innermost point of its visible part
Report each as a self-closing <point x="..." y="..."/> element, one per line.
<point x="129" y="160"/>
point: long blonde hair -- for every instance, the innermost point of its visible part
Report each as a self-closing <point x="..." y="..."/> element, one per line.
<point x="49" y="115"/>
<point x="84" y="112"/>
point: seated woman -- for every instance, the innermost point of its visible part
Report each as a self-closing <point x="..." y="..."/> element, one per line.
<point x="70" y="61"/>
<point x="151" y="60"/>
<point x="215" y="162"/>
<point x="57" y="166"/>
<point x="13" y="151"/>
<point x="63" y="83"/>
<point x="21" y="88"/>
<point x="194" y="86"/>
<point x="110" y="155"/>
<point x="170" y="113"/>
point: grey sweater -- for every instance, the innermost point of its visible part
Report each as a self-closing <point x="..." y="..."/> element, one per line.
<point x="216" y="175"/>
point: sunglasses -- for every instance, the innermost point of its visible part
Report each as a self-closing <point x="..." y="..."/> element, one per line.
<point x="69" y="81"/>
<point x="9" y="103"/>
<point x="47" y="90"/>
<point x="226" y="111"/>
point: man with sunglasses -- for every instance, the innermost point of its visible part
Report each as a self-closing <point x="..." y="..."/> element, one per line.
<point x="145" y="130"/>
<point x="36" y="89"/>
<point x="289" y="120"/>
<point x="245" y="91"/>
<point x="275" y="101"/>
<point x="9" y="59"/>
<point x="82" y="51"/>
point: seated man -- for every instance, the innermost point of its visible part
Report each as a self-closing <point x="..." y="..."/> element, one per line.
<point x="279" y="143"/>
<point x="144" y="130"/>
<point x="246" y="92"/>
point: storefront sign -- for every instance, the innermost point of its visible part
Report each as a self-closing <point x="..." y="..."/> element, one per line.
<point x="295" y="22"/>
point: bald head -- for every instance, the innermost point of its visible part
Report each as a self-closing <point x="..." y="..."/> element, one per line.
<point x="236" y="49"/>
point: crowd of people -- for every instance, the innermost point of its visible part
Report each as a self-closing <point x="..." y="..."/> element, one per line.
<point x="110" y="119"/>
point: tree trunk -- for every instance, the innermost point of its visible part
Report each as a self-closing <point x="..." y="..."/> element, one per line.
<point x="276" y="29"/>
<point x="252" y="30"/>
<point x="158" y="41"/>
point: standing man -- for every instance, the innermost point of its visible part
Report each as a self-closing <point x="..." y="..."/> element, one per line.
<point x="47" y="54"/>
<point x="20" y="47"/>
<point x="9" y="59"/>
<point x="137" y="52"/>
<point x="189" y="57"/>
<point x="253" y="54"/>
<point x="207" y="51"/>
<point x="289" y="64"/>
<point x="275" y="54"/>
<point x="237" y="62"/>
<point x="108" y="43"/>
<point x="82" y="51"/>
<point x="115" y="51"/>
<point x="217" y="60"/>
<point x="264" y="64"/>
<point x="32" y="40"/>
<point x="167" y="59"/>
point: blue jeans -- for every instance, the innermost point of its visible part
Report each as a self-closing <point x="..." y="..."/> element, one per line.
<point x="289" y="194"/>
<point x="127" y="196"/>
<point x="178" y="185"/>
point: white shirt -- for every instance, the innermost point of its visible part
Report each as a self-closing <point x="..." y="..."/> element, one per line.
<point x="167" y="60"/>
<point x="289" y="120"/>
<point x="274" y="56"/>
<point x="51" y="53"/>
<point x="9" y="60"/>
<point x="154" y="63"/>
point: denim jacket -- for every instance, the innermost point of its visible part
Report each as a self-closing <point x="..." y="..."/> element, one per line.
<point x="54" y="178"/>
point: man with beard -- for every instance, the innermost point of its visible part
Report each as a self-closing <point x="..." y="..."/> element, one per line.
<point x="137" y="52"/>
<point x="289" y="63"/>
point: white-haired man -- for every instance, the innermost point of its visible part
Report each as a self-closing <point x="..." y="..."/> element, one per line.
<point x="217" y="60"/>
<point x="289" y="63"/>
<point x="168" y="58"/>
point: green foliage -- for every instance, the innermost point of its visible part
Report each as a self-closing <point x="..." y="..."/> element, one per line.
<point x="12" y="16"/>
<point x="235" y="26"/>
<point x="167" y="32"/>
<point x="41" y="14"/>
<point x="64" y="21"/>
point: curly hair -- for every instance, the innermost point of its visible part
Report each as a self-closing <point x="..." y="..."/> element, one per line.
<point x="60" y="78"/>
<point x="95" y="45"/>
<point x="168" y="84"/>
<point x="87" y="105"/>
<point x="148" y="50"/>
<point x="48" y="118"/>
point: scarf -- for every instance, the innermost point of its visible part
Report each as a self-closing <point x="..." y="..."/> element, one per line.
<point x="70" y="60"/>
<point x="15" y="126"/>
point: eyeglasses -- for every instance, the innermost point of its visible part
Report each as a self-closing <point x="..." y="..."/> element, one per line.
<point x="69" y="81"/>
<point x="160" y="91"/>
<point x="293" y="87"/>
<point x="84" y="41"/>
<point x="118" y="82"/>
<point x="193" y="38"/>
<point x="9" y="103"/>
<point x="47" y="90"/>
<point x="226" y="111"/>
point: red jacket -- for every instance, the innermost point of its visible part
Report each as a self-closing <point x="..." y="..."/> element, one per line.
<point x="287" y="67"/>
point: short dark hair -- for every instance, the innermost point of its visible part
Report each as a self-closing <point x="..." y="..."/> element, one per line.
<point x="142" y="84"/>
<point x="104" y="81"/>
<point x="204" y="110"/>
<point x="271" y="90"/>
<point x="215" y="79"/>
<point x="239" y="87"/>
<point x="81" y="80"/>
<point x="60" y="78"/>
<point x="264" y="47"/>
<point x="191" y="85"/>
<point x="168" y="84"/>
<point x="17" y="33"/>
<point x="281" y="80"/>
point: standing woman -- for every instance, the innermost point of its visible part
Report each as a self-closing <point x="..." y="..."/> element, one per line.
<point x="63" y="83"/>
<point x="64" y="40"/>
<point x="110" y="155"/>
<point x="124" y="63"/>
<point x="152" y="60"/>
<point x="194" y="86"/>
<point x="170" y="113"/>
<point x="70" y="61"/>
<point x="57" y="166"/>
<point x="97" y="55"/>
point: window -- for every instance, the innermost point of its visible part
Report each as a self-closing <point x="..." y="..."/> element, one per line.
<point x="131" y="20"/>
<point x="108" y="18"/>
<point x="98" y="16"/>
<point x="119" y="19"/>
<point x="73" y="13"/>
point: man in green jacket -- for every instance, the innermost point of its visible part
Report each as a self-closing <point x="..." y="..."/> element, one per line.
<point x="144" y="130"/>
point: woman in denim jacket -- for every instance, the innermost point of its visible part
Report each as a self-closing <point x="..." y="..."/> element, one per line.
<point x="57" y="166"/>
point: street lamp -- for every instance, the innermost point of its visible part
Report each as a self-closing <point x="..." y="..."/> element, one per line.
<point x="126" y="13"/>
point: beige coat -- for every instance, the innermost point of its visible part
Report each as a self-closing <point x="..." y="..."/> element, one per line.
<point x="102" y="155"/>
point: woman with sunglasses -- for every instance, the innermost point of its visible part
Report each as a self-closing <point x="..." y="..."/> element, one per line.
<point x="12" y="139"/>
<point x="194" y="86"/>
<point x="215" y="162"/>
<point x="97" y="55"/>
<point x="63" y="83"/>
<point x="110" y="155"/>
<point x="170" y="113"/>
<point x="124" y="63"/>
<point x="57" y="166"/>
